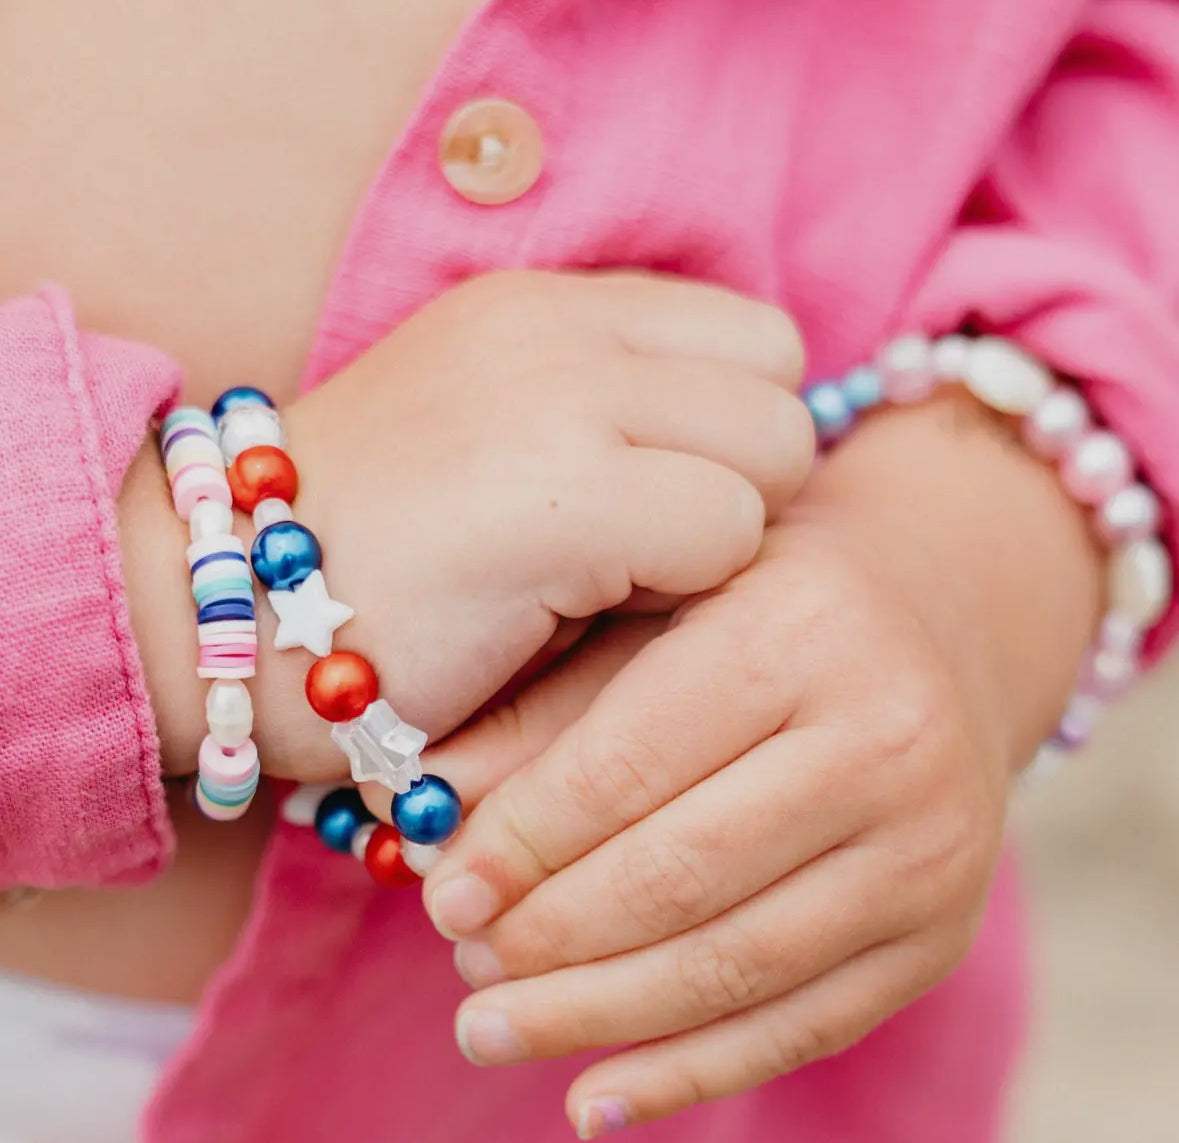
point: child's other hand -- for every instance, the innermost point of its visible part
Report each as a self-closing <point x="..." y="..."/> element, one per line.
<point x="777" y="824"/>
<point x="532" y="447"/>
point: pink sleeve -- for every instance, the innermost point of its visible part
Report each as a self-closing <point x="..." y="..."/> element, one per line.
<point x="1071" y="243"/>
<point x="81" y="801"/>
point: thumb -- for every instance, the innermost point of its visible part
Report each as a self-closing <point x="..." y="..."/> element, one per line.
<point x="482" y="754"/>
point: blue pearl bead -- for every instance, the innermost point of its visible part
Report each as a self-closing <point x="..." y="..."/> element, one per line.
<point x="863" y="388"/>
<point x="238" y="396"/>
<point x="429" y="813"/>
<point x="339" y="816"/>
<point x="829" y="409"/>
<point x="284" y="555"/>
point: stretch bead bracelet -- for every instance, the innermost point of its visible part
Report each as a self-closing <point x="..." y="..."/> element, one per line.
<point x="342" y="687"/>
<point x="1095" y="467"/>
<point x="227" y="763"/>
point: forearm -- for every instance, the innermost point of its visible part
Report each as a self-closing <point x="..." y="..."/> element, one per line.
<point x="995" y="557"/>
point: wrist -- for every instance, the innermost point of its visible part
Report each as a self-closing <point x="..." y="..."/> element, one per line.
<point x="988" y="550"/>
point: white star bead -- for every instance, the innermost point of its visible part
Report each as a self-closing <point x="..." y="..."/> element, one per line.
<point x="382" y="747"/>
<point x="308" y="616"/>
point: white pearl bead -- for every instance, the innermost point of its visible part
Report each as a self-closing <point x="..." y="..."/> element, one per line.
<point x="1096" y="467"/>
<point x="210" y="518"/>
<point x="361" y="838"/>
<point x="420" y="858"/>
<point x="1130" y="514"/>
<point x="230" y="713"/>
<point x="248" y="426"/>
<point x="907" y="369"/>
<point x="950" y="355"/>
<point x="271" y="511"/>
<point x="1002" y="376"/>
<point x="1060" y="420"/>
<point x="1140" y="581"/>
<point x="299" y="808"/>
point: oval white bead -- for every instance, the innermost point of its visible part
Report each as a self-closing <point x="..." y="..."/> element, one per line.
<point x="248" y="426"/>
<point x="230" y="713"/>
<point x="1140" y="581"/>
<point x="950" y="355"/>
<point x="271" y="511"/>
<point x="210" y="518"/>
<point x="1130" y="514"/>
<point x="1005" y="378"/>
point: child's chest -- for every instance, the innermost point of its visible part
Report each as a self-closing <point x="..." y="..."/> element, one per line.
<point x="189" y="169"/>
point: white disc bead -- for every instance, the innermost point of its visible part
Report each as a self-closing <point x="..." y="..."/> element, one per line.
<point x="299" y="808"/>
<point x="1140" y="581"/>
<point x="210" y="518"/>
<point x="1005" y="378"/>
<point x="361" y="838"/>
<point x="271" y="511"/>
<point x="420" y="858"/>
<point x="248" y="426"/>
<point x="230" y="713"/>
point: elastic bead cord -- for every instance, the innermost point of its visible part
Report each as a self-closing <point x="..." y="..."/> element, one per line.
<point x="227" y="763"/>
<point x="1095" y="468"/>
<point x="342" y="687"/>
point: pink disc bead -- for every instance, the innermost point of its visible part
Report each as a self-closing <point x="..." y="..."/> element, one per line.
<point x="1096" y="467"/>
<point x="199" y="482"/>
<point x="1057" y="424"/>
<point x="234" y="672"/>
<point x="229" y="650"/>
<point x="1132" y="513"/>
<point x="227" y="767"/>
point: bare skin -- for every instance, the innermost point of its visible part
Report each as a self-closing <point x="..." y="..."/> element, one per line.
<point x="154" y="158"/>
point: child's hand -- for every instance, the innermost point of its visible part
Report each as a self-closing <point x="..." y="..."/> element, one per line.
<point x="531" y="447"/>
<point x="777" y="824"/>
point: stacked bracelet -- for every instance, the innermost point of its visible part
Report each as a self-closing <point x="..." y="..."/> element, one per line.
<point x="1094" y="464"/>
<point x="227" y="763"/>
<point x="342" y="687"/>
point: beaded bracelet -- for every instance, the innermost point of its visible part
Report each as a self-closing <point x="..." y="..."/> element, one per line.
<point x="227" y="763"/>
<point x="342" y="687"/>
<point x="1095" y="467"/>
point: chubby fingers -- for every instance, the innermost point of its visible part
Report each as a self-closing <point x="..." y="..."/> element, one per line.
<point x="676" y="713"/>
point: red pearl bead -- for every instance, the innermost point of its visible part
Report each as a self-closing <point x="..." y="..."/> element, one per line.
<point x="383" y="859"/>
<point x="261" y="473"/>
<point x="341" y="685"/>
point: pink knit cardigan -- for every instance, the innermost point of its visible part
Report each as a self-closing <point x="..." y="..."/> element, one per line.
<point x="869" y="167"/>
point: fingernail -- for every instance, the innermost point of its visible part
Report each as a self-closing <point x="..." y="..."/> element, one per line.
<point x="486" y="1037"/>
<point x="462" y="906"/>
<point x="602" y="1116"/>
<point x="477" y="964"/>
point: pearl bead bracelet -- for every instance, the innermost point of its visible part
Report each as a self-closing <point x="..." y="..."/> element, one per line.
<point x="342" y="687"/>
<point x="1095" y="467"/>
<point x="227" y="763"/>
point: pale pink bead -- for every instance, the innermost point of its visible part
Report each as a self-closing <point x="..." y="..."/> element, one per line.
<point x="1057" y="423"/>
<point x="199" y="482"/>
<point x="1108" y="673"/>
<point x="1129" y="514"/>
<point x="1096" y="467"/>
<point x="906" y="365"/>
<point x="227" y="767"/>
<point x="1120" y="633"/>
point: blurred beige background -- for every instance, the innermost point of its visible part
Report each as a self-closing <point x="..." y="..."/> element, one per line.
<point x="1101" y="862"/>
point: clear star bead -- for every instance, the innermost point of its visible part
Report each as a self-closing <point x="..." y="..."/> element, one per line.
<point x="381" y="747"/>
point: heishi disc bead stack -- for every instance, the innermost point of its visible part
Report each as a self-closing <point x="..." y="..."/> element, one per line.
<point x="227" y="634"/>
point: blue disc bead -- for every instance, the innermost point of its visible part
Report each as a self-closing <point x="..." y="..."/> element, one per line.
<point x="339" y="816"/>
<point x="829" y="410"/>
<point x="429" y="813"/>
<point x="216" y="611"/>
<point x="284" y="555"/>
<point x="864" y="388"/>
<point x="238" y="396"/>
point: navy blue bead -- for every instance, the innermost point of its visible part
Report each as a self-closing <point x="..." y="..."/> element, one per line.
<point x="429" y="813"/>
<point x="236" y="397"/>
<point x="338" y="818"/>
<point x="224" y="609"/>
<point x="284" y="555"/>
<point x="213" y="557"/>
